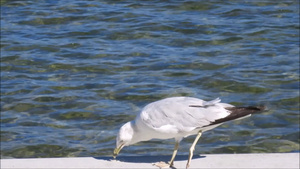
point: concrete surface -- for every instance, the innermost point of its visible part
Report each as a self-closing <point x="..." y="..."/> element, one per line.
<point x="278" y="160"/>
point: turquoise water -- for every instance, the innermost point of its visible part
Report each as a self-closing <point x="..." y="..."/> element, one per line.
<point x="72" y="72"/>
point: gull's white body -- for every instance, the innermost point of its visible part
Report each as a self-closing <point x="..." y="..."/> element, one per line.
<point x="175" y="118"/>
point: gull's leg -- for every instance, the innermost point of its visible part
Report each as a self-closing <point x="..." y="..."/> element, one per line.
<point x="174" y="153"/>
<point x="193" y="148"/>
<point x="170" y="164"/>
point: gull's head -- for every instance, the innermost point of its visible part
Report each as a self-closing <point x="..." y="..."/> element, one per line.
<point x="124" y="137"/>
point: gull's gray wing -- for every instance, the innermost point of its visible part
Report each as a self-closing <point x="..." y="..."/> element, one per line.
<point x="182" y="114"/>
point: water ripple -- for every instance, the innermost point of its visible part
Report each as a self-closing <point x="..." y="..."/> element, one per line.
<point x="73" y="72"/>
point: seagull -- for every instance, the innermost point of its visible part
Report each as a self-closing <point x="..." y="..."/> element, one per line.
<point x="178" y="117"/>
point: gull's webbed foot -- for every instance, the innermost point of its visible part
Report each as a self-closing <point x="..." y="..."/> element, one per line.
<point x="161" y="164"/>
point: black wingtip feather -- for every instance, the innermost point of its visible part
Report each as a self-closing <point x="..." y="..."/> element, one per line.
<point x="238" y="112"/>
<point x="247" y="110"/>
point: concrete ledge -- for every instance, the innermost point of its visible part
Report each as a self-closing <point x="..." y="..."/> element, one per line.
<point x="278" y="160"/>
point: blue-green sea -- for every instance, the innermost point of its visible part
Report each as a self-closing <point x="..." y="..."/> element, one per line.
<point x="72" y="72"/>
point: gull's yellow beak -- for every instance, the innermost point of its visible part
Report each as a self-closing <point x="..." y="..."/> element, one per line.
<point x="117" y="150"/>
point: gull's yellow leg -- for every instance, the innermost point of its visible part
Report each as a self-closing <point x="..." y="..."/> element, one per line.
<point x="174" y="153"/>
<point x="193" y="148"/>
<point x="170" y="164"/>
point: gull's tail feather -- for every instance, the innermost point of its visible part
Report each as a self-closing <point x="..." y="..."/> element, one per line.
<point x="239" y="112"/>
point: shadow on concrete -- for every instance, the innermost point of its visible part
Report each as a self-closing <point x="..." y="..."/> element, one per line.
<point x="148" y="159"/>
